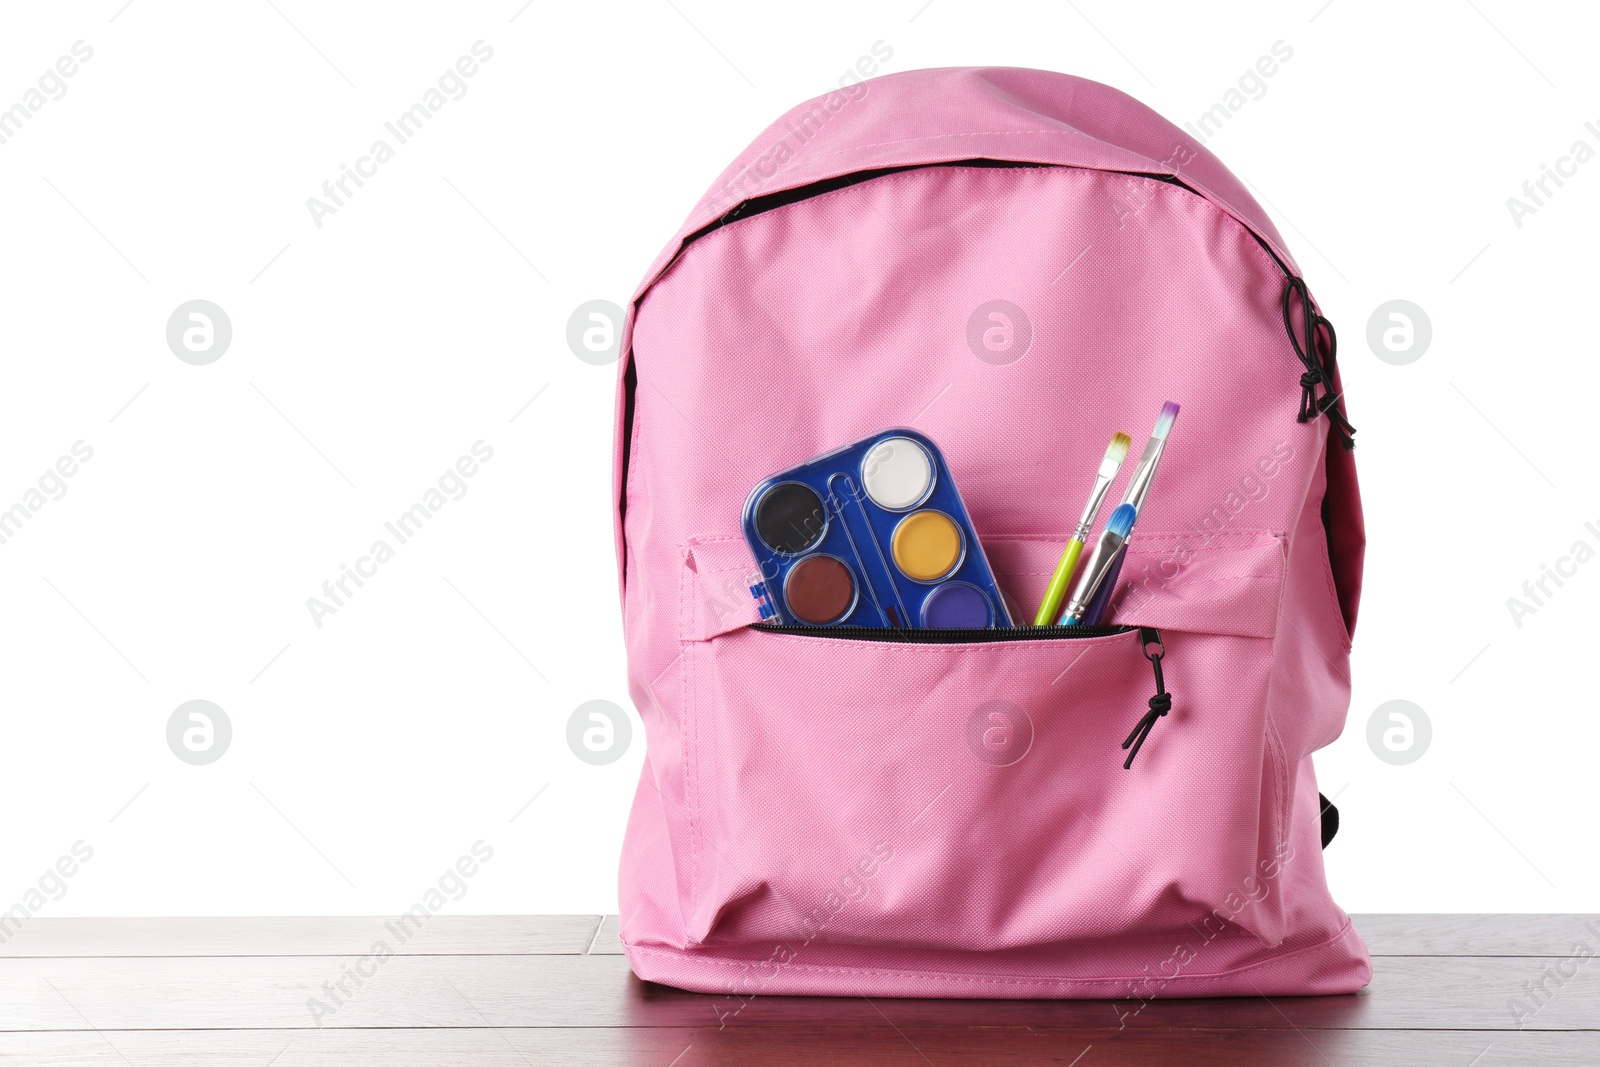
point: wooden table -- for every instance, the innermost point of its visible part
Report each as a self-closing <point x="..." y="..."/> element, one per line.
<point x="520" y="990"/>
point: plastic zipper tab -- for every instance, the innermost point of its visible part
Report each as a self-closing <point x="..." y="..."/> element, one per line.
<point x="928" y="636"/>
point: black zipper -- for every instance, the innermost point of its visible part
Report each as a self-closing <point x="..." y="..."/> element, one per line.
<point x="1317" y="371"/>
<point x="928" y="636"/>
<point x="757" y="205"/>
<point x="771" y="201"/>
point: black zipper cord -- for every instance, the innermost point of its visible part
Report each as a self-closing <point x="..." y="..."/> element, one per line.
<point x="1160" y="704"/>
<point x="1318" y="371"/>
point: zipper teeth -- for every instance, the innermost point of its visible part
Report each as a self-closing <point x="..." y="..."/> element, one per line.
<point x="762" y="204"/>
<point x="631" y="372"/>
<point x="946" y="637"/>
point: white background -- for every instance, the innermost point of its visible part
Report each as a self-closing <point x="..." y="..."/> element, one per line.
<point x="368" y="354"/>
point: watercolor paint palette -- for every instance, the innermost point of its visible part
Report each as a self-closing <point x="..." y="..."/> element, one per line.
<point x="870" y="534"/>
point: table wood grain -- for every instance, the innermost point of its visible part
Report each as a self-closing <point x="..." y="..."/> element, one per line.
<point x="519" y="990"/>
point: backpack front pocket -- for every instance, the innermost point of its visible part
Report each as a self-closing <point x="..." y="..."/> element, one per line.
<point x="970" y="793"/>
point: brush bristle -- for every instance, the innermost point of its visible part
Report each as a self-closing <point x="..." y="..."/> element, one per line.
<point x="1116" y="452"/>
<point x="1169" y="412"/>
<point x="1121" y="520"/>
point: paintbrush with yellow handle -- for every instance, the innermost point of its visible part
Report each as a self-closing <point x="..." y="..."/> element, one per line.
<point x="1116" y="452"/>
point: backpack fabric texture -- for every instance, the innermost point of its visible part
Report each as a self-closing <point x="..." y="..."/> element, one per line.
<point x="830" y="816"/>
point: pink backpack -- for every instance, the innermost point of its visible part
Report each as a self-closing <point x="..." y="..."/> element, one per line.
<point x="1015" y="263"/>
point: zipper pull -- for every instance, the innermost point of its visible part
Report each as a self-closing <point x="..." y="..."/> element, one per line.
<point x="1160" y="704"/>
<point x="1319" y="370"/>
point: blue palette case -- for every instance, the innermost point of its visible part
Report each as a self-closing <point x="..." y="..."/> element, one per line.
<point x="870" y="534"/>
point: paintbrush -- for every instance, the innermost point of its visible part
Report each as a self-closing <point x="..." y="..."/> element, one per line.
<point x="1116" y="452"/>
<point x="1107" y="553"/>
<point x="1138" y="489"/>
